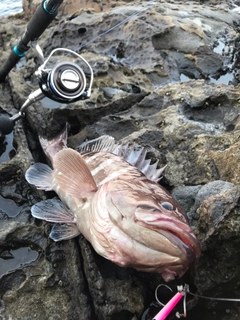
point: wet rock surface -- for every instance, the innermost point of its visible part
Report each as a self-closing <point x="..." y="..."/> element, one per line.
<point x="166" y="79"/>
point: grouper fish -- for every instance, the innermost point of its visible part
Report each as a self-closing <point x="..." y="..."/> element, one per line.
<point x="110" y="194"/>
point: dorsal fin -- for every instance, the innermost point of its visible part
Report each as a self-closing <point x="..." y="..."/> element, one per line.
<point x="134" y="154"/>
<point x="72" y="174"/>
<point x="103" y="143"/>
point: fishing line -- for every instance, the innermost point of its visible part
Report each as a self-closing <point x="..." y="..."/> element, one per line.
<point x="213" y="298"/>
<point x="186" y="289"/>
<point x="116" y="26"/>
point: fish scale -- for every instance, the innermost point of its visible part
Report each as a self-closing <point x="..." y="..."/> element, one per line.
<point x="107" y="166"/>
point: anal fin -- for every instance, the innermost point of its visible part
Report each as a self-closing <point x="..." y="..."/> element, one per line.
<point x="53" y="211"/>
<point x="64" y="232"/>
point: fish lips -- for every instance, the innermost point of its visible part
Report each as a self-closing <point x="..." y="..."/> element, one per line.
<point x="188" y="246"/>
<point x="180" y="235"/>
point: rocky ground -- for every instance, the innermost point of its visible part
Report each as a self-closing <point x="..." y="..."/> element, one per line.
<point x="167" y="79"/>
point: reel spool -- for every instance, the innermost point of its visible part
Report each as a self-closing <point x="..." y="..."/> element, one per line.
<point x="67" y="80"/>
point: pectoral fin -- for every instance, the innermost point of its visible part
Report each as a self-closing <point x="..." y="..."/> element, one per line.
<point x="72" y="174"/>
<point x="64" y="232"/>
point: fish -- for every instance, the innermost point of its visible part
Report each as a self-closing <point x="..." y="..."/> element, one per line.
<point x="110" y="193"/>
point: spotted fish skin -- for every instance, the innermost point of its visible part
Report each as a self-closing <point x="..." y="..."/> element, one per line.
<point x="109" y="193"/>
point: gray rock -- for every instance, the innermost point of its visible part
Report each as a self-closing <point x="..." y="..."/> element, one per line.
<point x="186" y="196"/>
<point x="138" y="96"/>
<point x="206" y="191"/>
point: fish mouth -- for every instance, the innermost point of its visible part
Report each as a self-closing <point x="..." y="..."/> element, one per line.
<point x="183" y="244"/>
<point x="184" y="238"/>
<point x="188" y="248"/>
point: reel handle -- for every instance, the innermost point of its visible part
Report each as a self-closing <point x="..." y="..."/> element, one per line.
<point x="7" y="123"/>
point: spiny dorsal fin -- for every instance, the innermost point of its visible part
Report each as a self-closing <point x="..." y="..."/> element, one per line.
<point x="72" y="174"/>
<point x="136" y="156"/>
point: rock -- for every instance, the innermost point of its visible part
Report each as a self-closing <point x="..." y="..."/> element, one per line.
<point x="70" y="6"/>
<point x="186" y="196"/>
<point x="165" y="79"/>
<point x="218" y="229"/>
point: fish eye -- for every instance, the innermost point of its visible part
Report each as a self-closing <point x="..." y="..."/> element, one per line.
<point x="167" y="206"/>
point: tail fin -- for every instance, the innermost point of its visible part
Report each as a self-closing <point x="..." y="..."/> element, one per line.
<point x="53" y="146"/>
<point x="40" y="175"/>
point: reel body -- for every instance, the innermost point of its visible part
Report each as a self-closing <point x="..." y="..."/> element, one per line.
<point x="66" y="82"/>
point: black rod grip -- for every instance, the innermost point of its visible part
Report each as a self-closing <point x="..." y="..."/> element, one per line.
<point x="8" y="65"/>
<point x="39" y="22"/>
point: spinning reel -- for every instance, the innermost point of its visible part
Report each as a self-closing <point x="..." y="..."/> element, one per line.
<point x="64" y="82"/>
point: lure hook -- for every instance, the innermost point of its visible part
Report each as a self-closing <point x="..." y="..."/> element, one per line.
<point x="165" y="311"/>
<point x="156" y="293"/>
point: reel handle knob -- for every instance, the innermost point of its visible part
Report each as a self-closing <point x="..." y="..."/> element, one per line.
<point x="6" y="124"/>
